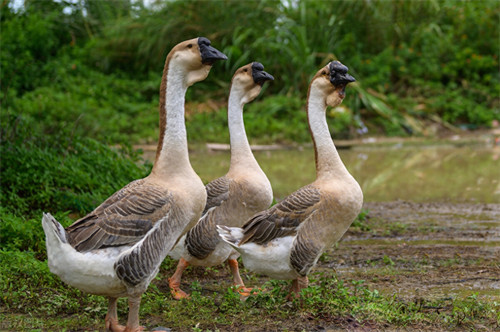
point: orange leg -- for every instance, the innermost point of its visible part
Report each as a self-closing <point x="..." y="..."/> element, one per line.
<point x="134" y="302"/>
<point x="233" y="264"/>
<point x="174" y="282"/>
<point x="112" y="317"/>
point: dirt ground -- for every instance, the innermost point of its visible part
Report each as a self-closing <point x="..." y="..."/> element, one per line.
<point x="430" y="250"/>
<point x="415" y="252"/>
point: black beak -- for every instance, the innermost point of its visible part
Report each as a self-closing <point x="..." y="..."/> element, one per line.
<point x="209" y="54"/>
<point x="339" y="75"/>
<point x="259" y="75"/>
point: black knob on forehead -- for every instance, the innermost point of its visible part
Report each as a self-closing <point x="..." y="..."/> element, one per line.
<point x="336" y="66"/>
<point x="339" y="75"/>
<point x="259" y="75"/>
<point x="203" y="41"/>
<point x="208" y="53"/>
<point x="257" y="66"/>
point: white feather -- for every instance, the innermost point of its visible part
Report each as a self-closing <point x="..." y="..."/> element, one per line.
<point x="91" y="272"/>
<point x="272" y="259"/>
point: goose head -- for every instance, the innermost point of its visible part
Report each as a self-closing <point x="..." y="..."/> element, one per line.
<point x="331" y="81"/>
<point x="194" y="57"/>
<point x="249" y="80"/>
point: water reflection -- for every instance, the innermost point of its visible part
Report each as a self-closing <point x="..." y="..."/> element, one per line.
<point x="419" y="174"/>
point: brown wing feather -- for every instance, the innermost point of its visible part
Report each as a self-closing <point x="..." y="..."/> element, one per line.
<point x="306" y="250"/>
<point x="217" y="192"/>
<point x="202" y="239"/>
<point x="283" y="218"/>
<point x="124" y="218"/>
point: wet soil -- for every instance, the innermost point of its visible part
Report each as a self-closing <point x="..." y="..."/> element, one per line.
<point x="432" y="251"/>
<point x="415" y="252"/>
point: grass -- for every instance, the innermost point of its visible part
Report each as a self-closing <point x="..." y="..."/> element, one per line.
<point x="43" y="302"/>
<point x="34" y="299"/>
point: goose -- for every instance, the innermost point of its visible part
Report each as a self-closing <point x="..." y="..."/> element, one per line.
<point x="233" y="198"/>
<point x="116" y="250"/>
<point x="285" y="241"/>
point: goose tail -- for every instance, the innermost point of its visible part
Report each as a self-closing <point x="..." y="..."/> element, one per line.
<point x="54" y="231"/>
<point x="231" y="235"/>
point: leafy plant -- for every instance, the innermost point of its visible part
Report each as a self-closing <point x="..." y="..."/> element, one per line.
<point x="59" y="173"/>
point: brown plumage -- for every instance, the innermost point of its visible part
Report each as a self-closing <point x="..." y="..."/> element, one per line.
<point x="217" y="192"/>
<point x="116" y="250"/>
<point x="286" y="240"/>
<point x="122" y="219"/>
<point x="283" y="219"/>
<point x="233" y="198"/>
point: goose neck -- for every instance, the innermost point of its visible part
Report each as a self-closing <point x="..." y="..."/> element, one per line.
<point x="241" y="153"/>
<point x="328" y="162"/>
<point x="172" y="152"/>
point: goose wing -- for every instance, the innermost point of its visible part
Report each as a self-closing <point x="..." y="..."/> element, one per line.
<point x="282" y="219"/>
<point x="202" y="239"/>
<point x="217" y="192"/>
<point x="123" y="219"/>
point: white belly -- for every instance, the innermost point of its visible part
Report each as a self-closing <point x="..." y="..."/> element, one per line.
<point x="272" y="259"/>
<point x="218" y="256"/>
<point x="179" y="250"/>
<point x="90" y="272"/>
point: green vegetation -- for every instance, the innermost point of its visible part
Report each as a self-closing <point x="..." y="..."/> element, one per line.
<point x="81" y="76"/>
<point x="34" y="292"/>
<point x="96" y="65"/>
<point x="58" y="173"/>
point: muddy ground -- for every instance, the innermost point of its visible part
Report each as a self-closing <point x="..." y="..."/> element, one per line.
<point x="425" y="250"/>
<point x="413" y="251"/>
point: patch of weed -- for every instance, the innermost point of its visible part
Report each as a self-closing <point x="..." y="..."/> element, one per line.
<point x="361" y="221"/>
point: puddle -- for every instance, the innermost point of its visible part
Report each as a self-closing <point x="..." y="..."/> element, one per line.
<point x="455" y="255"/>
<point x="414" y="173"/>
<point x="418" y="174"/>
<point x="437" y="243"/>
<point x="441" y="292"/>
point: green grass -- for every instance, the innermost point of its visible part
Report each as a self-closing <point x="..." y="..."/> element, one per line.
<point x="41" y="301"/>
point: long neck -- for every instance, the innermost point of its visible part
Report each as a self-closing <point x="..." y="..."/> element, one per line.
<point x="172" y="151"/>
<point x="328" y="162"/>
<point x="241" y="154"/>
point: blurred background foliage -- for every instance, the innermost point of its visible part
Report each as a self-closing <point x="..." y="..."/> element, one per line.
<point x="78" y="76"/>
<point x="95" y="66"/>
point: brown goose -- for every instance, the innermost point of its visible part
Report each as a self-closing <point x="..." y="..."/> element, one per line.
<point x="233" y="198"/>
<point x="285" y="241"/>
<point x="116" y="250"/>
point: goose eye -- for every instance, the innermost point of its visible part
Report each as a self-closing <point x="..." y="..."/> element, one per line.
<point x="245" y="70"/>
<point x="190" y="45"/>
<point x="323" y="72"/>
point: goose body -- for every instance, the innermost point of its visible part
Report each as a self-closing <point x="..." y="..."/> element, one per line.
<point x="233" y="198"/>
<point x="285" y="241"/>
<point x="116" y="250"/>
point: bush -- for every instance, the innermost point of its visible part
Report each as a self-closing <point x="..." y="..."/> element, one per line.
<point x="107" y="108"/>
<point x="60" y="172"/>
<point x="278" y="119"/>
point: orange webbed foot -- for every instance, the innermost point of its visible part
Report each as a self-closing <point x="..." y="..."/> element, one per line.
<point x="245" y="292"/>
<point x="177" y="293"/>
